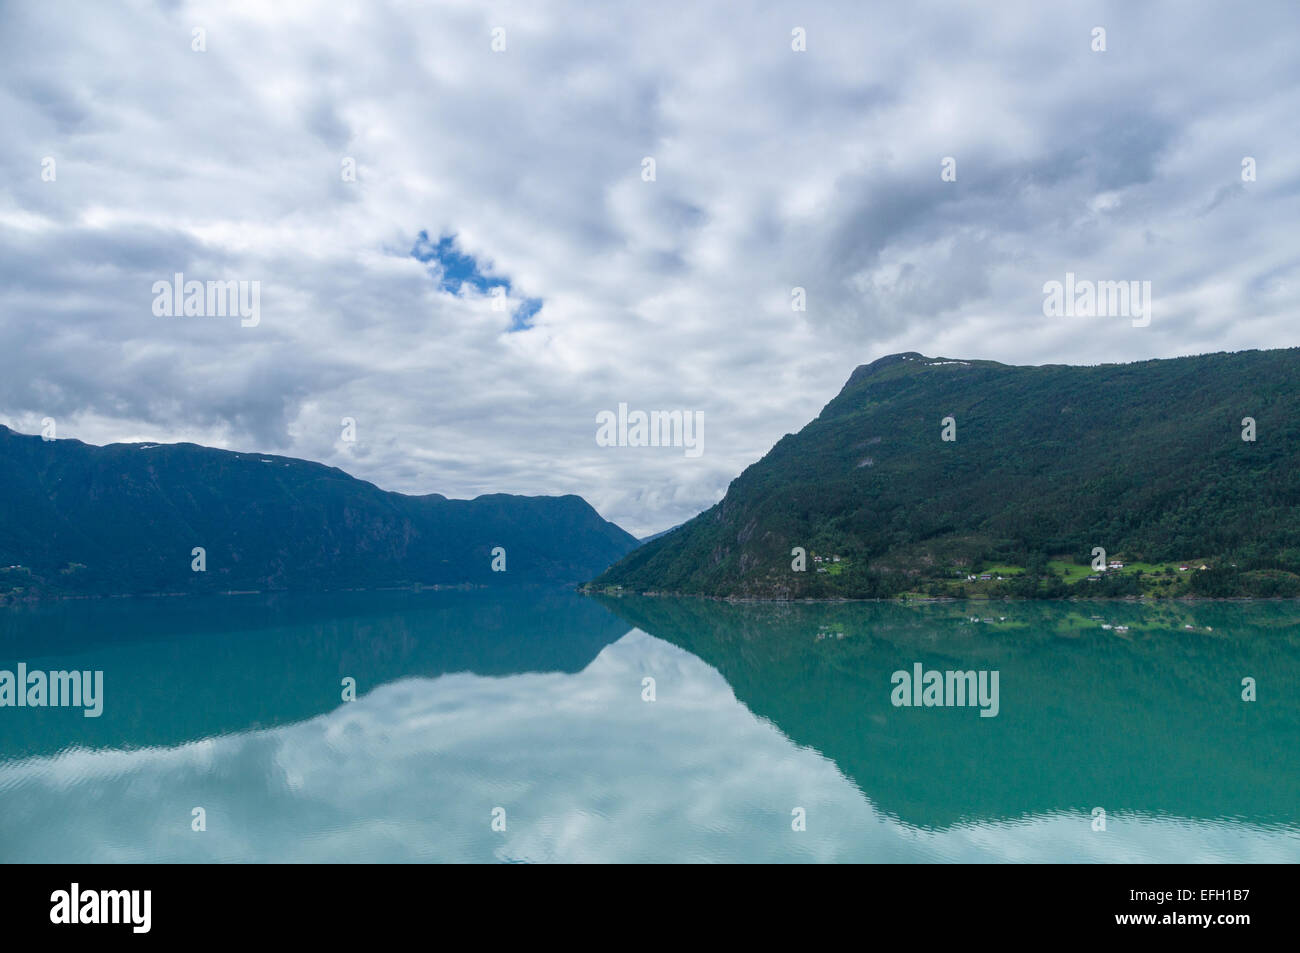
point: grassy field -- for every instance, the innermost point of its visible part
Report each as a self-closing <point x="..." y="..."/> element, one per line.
<point x="1057" y="579"/>
<point x="1070" y="572"/>
<point x="1154" y="579"/>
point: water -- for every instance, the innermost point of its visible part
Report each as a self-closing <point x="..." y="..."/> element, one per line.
<point x="532" y="702"/>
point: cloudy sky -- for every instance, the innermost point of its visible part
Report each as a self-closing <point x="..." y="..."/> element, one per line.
<point x="516" y="176"/>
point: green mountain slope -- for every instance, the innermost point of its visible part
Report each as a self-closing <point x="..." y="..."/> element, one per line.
<point x="125" y="518"/>
<point x="1145" y="460"/>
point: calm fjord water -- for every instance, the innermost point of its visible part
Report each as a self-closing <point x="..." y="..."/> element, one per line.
<point x="534" y="702"/>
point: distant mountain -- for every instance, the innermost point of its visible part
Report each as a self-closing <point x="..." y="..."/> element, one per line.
<point x="126" y="518"/>
<point x="1146" y="461"/>
<point x="653" y="536"/>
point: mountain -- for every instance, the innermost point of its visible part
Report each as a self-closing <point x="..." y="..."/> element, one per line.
<point x="125" y="518"/>
<point x="1145" y="460"/>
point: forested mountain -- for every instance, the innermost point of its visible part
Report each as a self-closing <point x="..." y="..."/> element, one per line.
<point x="126" y="518"/>
<point x="1043" y="465"/>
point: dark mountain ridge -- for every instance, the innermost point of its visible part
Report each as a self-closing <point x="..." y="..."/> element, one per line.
<point x="125" y="518"/>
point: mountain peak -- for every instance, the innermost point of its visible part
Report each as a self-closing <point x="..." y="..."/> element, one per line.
<point x="913" y="358"/>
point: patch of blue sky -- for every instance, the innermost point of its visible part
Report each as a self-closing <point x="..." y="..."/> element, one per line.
<point x="456" y="270"/>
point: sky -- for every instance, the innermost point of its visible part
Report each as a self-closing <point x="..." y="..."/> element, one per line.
<point x="458" y="243"/>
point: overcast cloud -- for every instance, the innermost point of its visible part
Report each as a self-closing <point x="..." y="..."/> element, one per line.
<point x="774" y="169"/>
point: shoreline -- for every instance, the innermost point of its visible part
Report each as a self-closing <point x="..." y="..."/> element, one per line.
<point x="930" y="600"/>
<point x="9" y="602"/>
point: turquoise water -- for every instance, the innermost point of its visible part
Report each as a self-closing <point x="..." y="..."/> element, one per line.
<point x="532" y="708"/>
